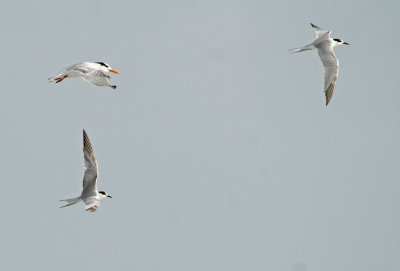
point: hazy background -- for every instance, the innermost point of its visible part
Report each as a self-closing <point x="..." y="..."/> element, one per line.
<point x="216" y="146"/>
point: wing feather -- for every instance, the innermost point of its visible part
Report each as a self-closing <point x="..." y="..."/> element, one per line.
<point x="331" y="68"/>
<point x="76" y="70"/>
<point x="329" y="91"/>
<point x="91" y="172"/>
<point x="97" y="78"/>
<point x="319" y="32"/>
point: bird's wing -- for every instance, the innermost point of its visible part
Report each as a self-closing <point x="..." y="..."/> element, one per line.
<point x="319" y="32"/>
<point x="91" y="204"/>
<point x="82" y="68"/>
<point x="79" y="69"/>
<point x="97" y="78"/>
<point x="331" y="67"/>
<point x="90" y="176"/>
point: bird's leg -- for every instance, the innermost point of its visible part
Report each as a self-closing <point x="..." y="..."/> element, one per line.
<point x="59" y="79"/>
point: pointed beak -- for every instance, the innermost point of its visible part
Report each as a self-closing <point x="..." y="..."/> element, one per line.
<point x="114" y="71"/>
<point x="346" y="43"/>
<point x="108" y="196"/>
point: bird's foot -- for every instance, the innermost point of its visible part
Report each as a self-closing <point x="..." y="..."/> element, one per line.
<point x="59" y="79"/>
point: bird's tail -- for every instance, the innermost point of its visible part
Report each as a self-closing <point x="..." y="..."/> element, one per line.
<point x="70" y="201"/>
<point x="301" y="49"/>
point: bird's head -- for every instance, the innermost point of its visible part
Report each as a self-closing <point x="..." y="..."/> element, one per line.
<point x="104" y="195"/>
<point x="106" y="68"/>
<point x="340" y="42"/>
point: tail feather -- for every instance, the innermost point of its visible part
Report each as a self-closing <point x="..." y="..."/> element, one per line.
<point x="304" y="48"/>
<point x="296" y="50"/>
<point x="70" y="202"/>
<point x="52" y="79"/>
<point x="300" y="49"/>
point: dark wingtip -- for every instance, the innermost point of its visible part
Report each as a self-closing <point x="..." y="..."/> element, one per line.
<point x="328" y="99"/>
<point x="114" y="87"/>
<point x="329" y="93"/>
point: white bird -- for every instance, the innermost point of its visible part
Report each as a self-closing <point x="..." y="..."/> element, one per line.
<point x="90" y="196"/>
<point x="324" y="44"/>
<point x="95" y="73"/>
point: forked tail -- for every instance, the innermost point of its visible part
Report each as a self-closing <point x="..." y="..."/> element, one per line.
<point x="70" y="201"/>
<point x="304" y="48"/>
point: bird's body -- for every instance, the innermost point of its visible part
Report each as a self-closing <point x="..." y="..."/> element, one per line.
<point x="89" y="196"/>
<point x="324" y="44"/>
<point x="94" y="72"/>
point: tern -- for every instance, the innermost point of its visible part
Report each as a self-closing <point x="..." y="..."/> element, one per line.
<point x="89" y="196"/>
<point x="94" y="72"/>
<point x="324" y="44"/>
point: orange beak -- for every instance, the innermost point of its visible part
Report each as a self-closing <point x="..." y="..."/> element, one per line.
<point x="114" y="71"/>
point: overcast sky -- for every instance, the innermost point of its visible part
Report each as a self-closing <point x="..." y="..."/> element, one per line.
<point x="217" y="146"/>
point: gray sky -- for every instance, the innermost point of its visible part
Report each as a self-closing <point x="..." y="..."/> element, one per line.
<point x="216" y="146"/>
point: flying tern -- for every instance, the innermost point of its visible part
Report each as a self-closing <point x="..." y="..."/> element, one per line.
<point x="324" y="44"/>
<point x="94" y="72"/>
<point x="89" y="196"/>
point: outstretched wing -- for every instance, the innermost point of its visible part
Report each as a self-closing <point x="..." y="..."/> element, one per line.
<point x="79" y="69"/>
<point x="331" y="67"/>
<point x="319" y="32"/>
<point x="97" y="78"/>
<point x="90" y="176"/>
